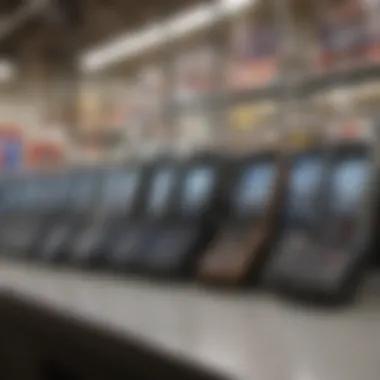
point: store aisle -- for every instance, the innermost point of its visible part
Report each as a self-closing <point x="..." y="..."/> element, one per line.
<point x="250" y="336"/>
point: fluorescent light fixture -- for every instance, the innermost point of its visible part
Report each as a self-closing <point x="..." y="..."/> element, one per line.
<point x="191" y="21"/>
<point x="178" y="26"/>
<point x="7" y="71"/>
<point x="231" y="7"/>
<point x="122" y="48"/>
<point x="135" y="43"/>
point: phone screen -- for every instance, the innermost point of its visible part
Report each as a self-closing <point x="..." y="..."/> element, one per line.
<point x="197" y="190"/>
<point x="163" y="182"/>
<point x="82" y="191"/>
<point x="119" y="189"/>
<point x="304" y="185"/>
<point x="254" y="189"/>
<point x="348" y="183"/>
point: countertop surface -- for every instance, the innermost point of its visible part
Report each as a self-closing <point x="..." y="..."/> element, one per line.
<point x="248" y="335"/>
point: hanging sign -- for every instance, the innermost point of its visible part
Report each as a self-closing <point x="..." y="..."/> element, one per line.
<point x="343" y="34"/>
<point x="253" y="56"/>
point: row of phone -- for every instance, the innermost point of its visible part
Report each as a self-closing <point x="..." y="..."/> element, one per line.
<point x="303" y="221"/>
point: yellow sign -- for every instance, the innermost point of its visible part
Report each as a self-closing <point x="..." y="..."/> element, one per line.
<point x="249" y="116"/>
<point x="302" y="138"/>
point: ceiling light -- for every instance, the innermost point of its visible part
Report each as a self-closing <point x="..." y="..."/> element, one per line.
<point x="178" y="26"/>
<point x="7" y="71"/>
<point x="191" y="21"/>
<point x="122" y="48"/>
<point x="231" y="7"/>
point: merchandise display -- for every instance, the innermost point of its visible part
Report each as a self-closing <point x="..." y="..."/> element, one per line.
<point x="118" y="201"/>
<point x="79" y="208"/>
<point x="233" y="220"/>
<point x="44" y="198"/>
<point x="194" y="221"/>
<point x="327" y="228"/>
<point x="129" y="251"/>
<point x="242" y="245"/>
<point x="214" y="192"/>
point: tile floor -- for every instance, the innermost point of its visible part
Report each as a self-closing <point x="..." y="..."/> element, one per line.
<point x="249" y="336"/>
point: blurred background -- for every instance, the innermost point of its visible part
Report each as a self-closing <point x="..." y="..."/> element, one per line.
<point x="95" y="80"/>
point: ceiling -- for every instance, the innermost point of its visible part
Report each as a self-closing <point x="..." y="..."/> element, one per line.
<point x="74" y="24"/>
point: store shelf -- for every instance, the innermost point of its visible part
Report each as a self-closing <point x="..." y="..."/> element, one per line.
<point x="249" y="336"/>
<point x="207" y="103"/>
<point x="309" y="85"/>
<point x="339" y="78"/>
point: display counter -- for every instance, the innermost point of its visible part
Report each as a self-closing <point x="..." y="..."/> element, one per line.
<point x="250" y="335"/>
